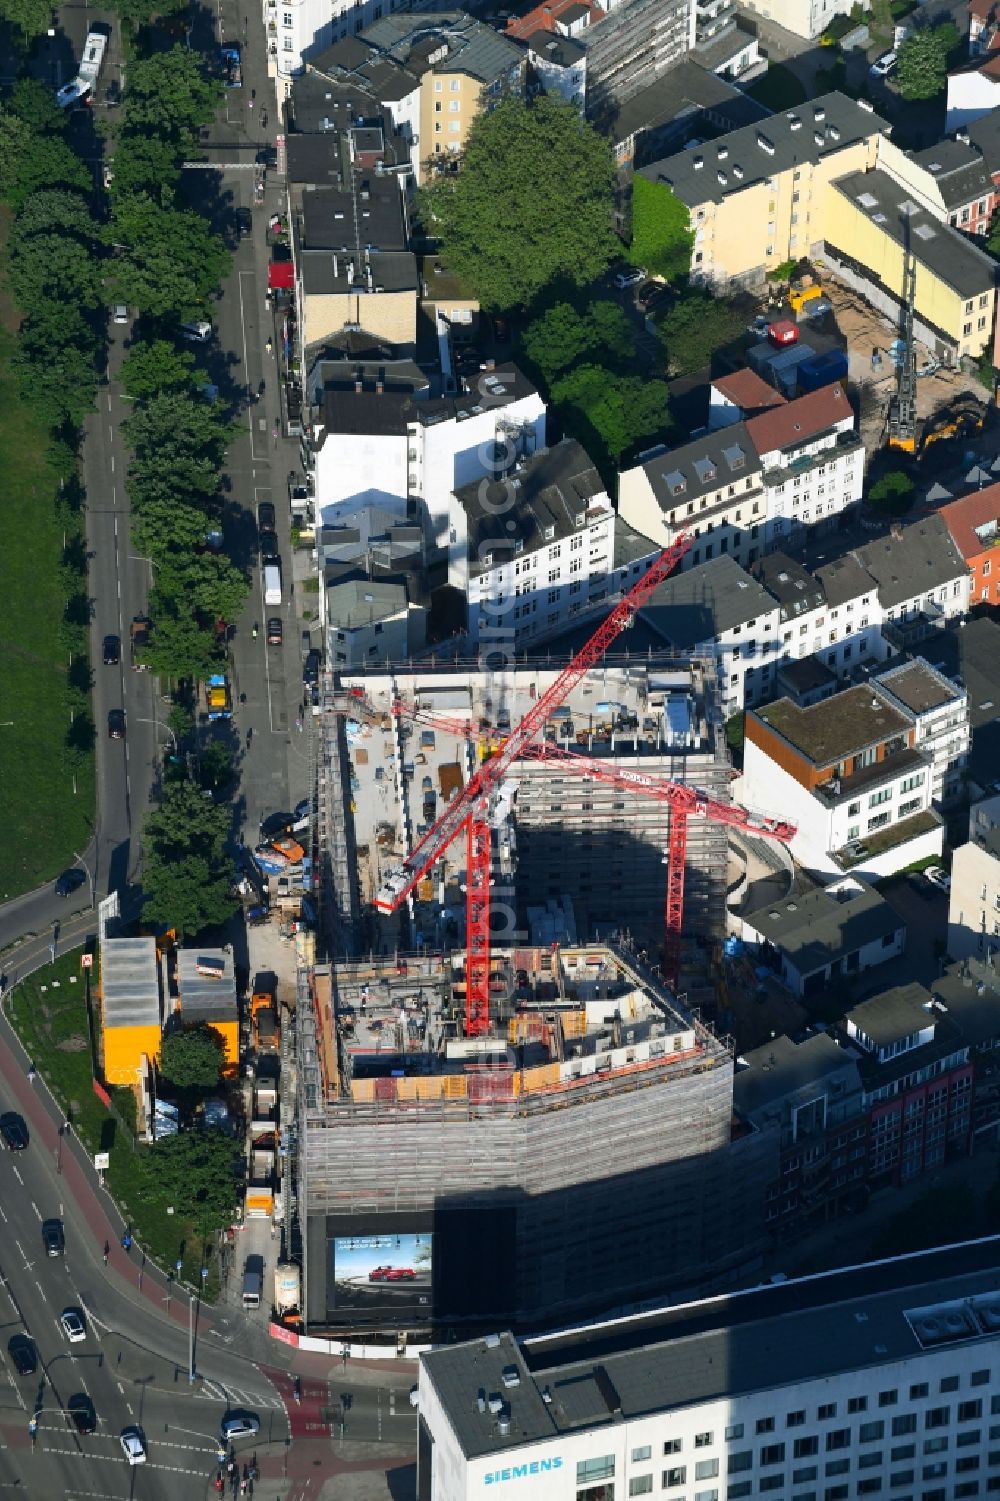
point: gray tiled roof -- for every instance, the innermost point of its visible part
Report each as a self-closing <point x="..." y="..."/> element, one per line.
<point x="912" y="560"/>
<point x="822" y="927"/>
<point x="759" y="151"/>
<point x="958" y="169"/>
<point x="204" y="999"/>
<point x="696" y="606"/>
<point x="678" y="476"/>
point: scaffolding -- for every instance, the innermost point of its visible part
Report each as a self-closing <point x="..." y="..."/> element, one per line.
<point x="339" y="901"/>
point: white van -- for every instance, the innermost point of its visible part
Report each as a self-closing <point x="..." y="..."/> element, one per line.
<point x="198" y="332"/>
<point x="272" y="582"/>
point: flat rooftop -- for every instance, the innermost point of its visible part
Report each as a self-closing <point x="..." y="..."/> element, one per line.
<point x="207" y="997"/>
<point x="920" y="687"/>
<point x="836" y="728"/>
<point x="600" y="1375"/>
<point x="893" y="1015"/>
<point x="130" y="983"/>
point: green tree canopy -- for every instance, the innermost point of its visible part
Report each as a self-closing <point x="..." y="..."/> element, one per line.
<point x="609" y="412"/>
<point x="187" y="875"/>
<point x="922" y="71"/>
<point x="696" y="327"/>
<point x="34" y="102"/>
<point x="662" y="237"/>
<point x="892" y="493"/>
<point x="563" y="336"/>
<point x="194" y="1173"/>
<point x="169" y="262"/>
<point x="156" y="368"/>
<point x="58" y="211"/>
<point x="31" y="163"/>
<point x="28" y="18"/>
<point x="138" y="13"/>
<point x="531" y="205"/>
<point x="145" y="165"/>
<point x="192" y="1057"/>
<point x="177" y="425"/>
<point x="56" y="267"/>
<point x="165" y="524"/>
<point x="181" y="646"/>
<point x="60" y="379"/>
<point x="168" y="96"/>
<point x="209" y="582"/>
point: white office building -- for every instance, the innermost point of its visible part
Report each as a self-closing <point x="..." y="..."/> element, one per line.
<point x="877" y="1380"/>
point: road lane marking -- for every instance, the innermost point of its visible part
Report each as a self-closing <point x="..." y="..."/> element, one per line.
<point x="17" y="1175"/>
<point x="38" y="1213"/>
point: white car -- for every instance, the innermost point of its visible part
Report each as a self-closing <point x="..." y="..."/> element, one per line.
<point x="120" y="313"/>
<point x="626" y="279"/>
<point x="198" y="332"/>
<point x="73" y="1326"/>
<point x="939" y="877"/>
<point x="883" y="65"/>
<point x="133" y="1442"/>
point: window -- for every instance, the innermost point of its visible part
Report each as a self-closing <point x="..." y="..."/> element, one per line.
<point x="735" y="1430"/>
<point x="772" y="1482"/>
<point x="804" y="1448"/>
<point x="741" y="1488"/>
<point x="807" y="1472"/>
<point x="858" y="1404"/>
<point x="826" y="1411"/>
<point x="645" y="1451"/>
<point x="901" y="1477"/>
<point x="838" y="1438"/>
<point x="903" y="1451"/>
<point x="704" y="1440"/>
<point x="588" y="1470"/>
<point x="935" y="1445"/>
<point x="837" y="1467"/>
<point x="706" y="1469"/>
<point x="872" y="1484"/>
<point x="937" y="1417"/>
<point x="888" y="1399"/>
<point x="772" y="1454"/>
<point x="968" y="1412"/>
<point x="882" y="796"/>
<point x="455" y="85"/>
<point x="870" y="1433"/>
<point x="672" y="1446"/>
<point x="640" y="1485"/>
<point x="835" y="1493"/>
<point x="949" y="1383"/>
<point x="979" y="1378"/>
<point x="795" y="1419"/>
<point x="905" y="1423"/>
<point x="765" y="1425"/>
<point x="741" y="1460"/>
<point x="676" y="1476"/>
<point x="936" y="1471"/>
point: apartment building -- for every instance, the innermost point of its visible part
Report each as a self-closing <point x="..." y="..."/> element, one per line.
<point x="758" y="196"/>
<point x="974" y="523"/>
<point x="973" y="91"/>
<point x="974" y="900"/>
<point x="750" y="486"/>
<point x="739" y="395"/>
<point x="298" y="30"/>
<point x="806" y="18"/>
<point x="847" y="772"/>
<point x="636" y="44"/>
<point x="434" y="71"/>
<point x="832" y="614"/>
<point x="951" y="180"/>
<point x="920" y="573"/>
<point x="349" y="220"/>
<point x="371" y="623"/>
<point x="824" y="934"/>
<point x="533" y="551"/>
<point x="867" y="225"/>
<point x="379" y="438"/>
<point x="939" y="710"/>
<point x="856" y="1382"/>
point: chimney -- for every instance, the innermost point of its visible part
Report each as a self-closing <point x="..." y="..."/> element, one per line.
<point x="358" y="386"/>
<point x="350" y="273"/>
<point x="379" y="388"/>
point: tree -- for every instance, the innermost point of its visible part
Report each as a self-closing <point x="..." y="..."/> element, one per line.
<point x="609" y="413"/>
<point x="157" y="368"/>
<point x="173" y="429"/>
<point x="892" y="493"/>
<point x="185" y="822"/>
<point x="181" y="646"/>
<point x="187" y="876"/>
<point x="137" y="13"/>
<point x="215" y="765"/>
<point x="37" y="162"/>
<point x="696" y="327"/>
<point x="54" y="210"/>
<point x="169" y="261"/>
<point x="164" y="524"/>
<point x="54" y="267"/>
<point x="28" y="18"/>
<point x="562" y="336"/>
<point x="922" y="70"/>
<point x="531" y="205"/>
<point x="169" y="96"/>
<point x="60" y="382"/>
<point x="34" y="102"/>
<point x="194" y="1173"/>
<point x="192" y="1057"/>
<point x="145" y="165"/>
<point x="662" y="237"/>
<point x="208" y="582"/>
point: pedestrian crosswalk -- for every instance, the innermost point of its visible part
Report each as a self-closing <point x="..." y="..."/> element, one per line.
<point x="239" y="1396"/>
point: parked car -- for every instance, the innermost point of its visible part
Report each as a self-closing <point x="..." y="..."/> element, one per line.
<point x="53" y="1237"/>
<point x="133" y="1442"/>
<point x="70" y="881"/>
<point x="13" y="1131"/>
<point x="883" y="64"/>
<point x="274" y="631"/>
<point x="71" y="1322"/>
<point x="244" y="222"/>
<point x="238" y="1425"/>
<point x="268" y="545"/>
<point x="23" y="1355"/>
<point x="119" y="313"/>
<point x="197" y="332"/>
<point x="311" y="667"/>
<point x="266" y="516"/>
<point x="939" y="877"/>
<point x="112" y="653"/>
<point x="81" y="1413"/>
<point x="116" y="724"/>
<point x="629" y="278"/>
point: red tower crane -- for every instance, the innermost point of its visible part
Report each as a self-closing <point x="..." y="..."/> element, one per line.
<point x="682" y="799"/>
<point x="469" y="812"/>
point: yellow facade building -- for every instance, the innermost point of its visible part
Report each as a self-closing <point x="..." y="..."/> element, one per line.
<point x="870" y="217"/>
<point x="131" y="1007"/>
<point x="758" y="196"/>
<point x="206" y="987"/>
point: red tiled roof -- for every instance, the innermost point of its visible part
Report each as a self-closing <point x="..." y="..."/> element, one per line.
<point x="963" y="516"/>
<point x="749" y="391"/>
<point x="799" y="420"/>
<point x="544" y="17"/>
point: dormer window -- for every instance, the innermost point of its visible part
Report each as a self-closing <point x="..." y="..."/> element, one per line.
<point x="550" y="532"/>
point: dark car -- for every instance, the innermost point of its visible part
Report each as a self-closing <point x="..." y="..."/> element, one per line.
<point x="70" y="881"/>
<point x="53" y="1238"/>
<point x="13" y="1131"/>
<point x="266" y="516"/>
<point x="268" y="545"/>
<point x="311" y="666"/>
<point x="112" y="651"/>
<point x="116" y="724"/>
<point x="274" y="631"/>
<point x="81" y="1413"/>
<point x="647" y="292"/>
<point x="23" y="1355"/>
<point x="244" y="222"/>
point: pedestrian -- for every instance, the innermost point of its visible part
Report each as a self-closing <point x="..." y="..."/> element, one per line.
<point x="261" y="389"/>
<point x="243" y="698"/>
<point x="268" y="345"/>
<point x="263" y="119"/>
<point x="298" y="724"/>
<point x="107" y="1251"/>
<point x="31" y="1073"/>
<point x="251" y="104"/>
<point x="249" y="736"/>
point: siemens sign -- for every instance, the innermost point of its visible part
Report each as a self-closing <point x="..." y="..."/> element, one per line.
<point x="521" y="1472"/>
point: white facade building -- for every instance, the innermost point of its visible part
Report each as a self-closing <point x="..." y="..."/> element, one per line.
<point x="751" y="486"/>
<point x="919" y="570"/>
<point x="833" y="614"/>
<point x="847" y="773"/>
<point x="875" y="1380"/>
<point x="387" y="448"/>
<point x="940" y="714"/>
<point x="974" y="899"/>
<point x="534" y="550"/>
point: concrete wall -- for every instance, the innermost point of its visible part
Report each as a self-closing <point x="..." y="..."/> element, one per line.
<point x="970" y="96"/>
<point x="974" y="902"/>
<point x="807" y="18"/>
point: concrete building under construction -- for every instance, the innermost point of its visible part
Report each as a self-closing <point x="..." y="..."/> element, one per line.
<point x="579" y="1157"/>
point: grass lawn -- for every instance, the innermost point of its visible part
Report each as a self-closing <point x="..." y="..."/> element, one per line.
<point x="778" y="89"/>
<point x="49" y="1012"/>
<point x="44" y="821"/>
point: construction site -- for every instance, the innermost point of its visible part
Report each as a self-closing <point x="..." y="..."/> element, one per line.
<point x="507" y="1106"/>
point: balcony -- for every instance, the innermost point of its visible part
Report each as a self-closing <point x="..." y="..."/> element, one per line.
<point x="890" y="838"/>
<point x="842" y="789"/>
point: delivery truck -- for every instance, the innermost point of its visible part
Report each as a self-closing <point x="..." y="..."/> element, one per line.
<point x="272" y="582"/>
<point x="253" y="1281"/>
